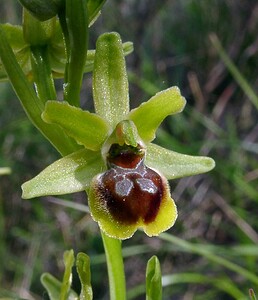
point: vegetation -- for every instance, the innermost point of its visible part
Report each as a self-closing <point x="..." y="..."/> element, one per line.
<point x="209" y="50"/>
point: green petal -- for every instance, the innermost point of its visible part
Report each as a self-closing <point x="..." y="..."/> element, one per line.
<point x="86" y="128"/>
<point x="110" y="84"/>
<point x="70" y="174"/>
<point x="148" y="116"/>
<point x="175" y="165"/>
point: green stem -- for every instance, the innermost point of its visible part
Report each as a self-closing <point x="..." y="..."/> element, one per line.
<point x="74" y="23"/>
<point x="42" y="74"/>
<point x="63" y="24"/>
<point x="29" y="100"/>
<point x="115" y="266"/>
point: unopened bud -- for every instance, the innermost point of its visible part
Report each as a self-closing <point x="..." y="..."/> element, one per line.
<point x="41" y="9"/>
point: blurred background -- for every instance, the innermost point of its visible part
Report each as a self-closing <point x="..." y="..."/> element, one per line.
<point x="211" y="252"/>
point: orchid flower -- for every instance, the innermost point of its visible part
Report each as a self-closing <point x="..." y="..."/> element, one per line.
<point x="124" y="174"/>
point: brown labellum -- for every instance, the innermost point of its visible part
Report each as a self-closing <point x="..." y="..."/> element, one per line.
<point x="129" y="190"/>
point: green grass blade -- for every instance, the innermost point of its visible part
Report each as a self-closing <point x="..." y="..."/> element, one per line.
<point x="197" y="249"/>
<point x="245" y="86"/>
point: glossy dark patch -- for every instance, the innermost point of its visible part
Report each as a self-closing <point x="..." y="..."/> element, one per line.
<point x="131" y="193"/>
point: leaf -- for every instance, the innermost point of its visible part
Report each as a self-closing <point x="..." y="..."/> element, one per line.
<point x="176" y="165"/>
<point x="86" y="128"/>
<point x="110" y="84"/>
<point x="148" y="116"/>
<point x="67" y="278"/>
<point x="72" y="173"/>
<point x="53" y="287"/>
<point x="61" y="290"/>
<point x="83" y="270"/>
<point x="153" y="280"/>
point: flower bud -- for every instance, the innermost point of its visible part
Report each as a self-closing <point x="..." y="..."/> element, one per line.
<point x="41" y="9"/>
<point x="35" y="32"/>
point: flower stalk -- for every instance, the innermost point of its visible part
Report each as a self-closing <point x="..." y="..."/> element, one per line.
<point x="116" y="275"/>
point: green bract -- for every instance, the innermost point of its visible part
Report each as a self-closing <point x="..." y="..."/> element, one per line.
<point x="123" y="172"/>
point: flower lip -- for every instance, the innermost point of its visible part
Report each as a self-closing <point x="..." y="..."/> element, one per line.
<point x="130" y="195"/>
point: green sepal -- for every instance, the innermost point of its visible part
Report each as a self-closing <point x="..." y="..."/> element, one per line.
<point x="110" y="84"/>
<point x="37" y="33"/>
<point x="70" y="174"/>
<point x="53" y="287"/>
<point x="176" y="165"/>
<point x="42" y="9"/>
<point x="86" y="128"/>
<point x="83" y="270"/>
<point x="57" y="57"/>
<point x="148" y="116"/>
<point x="153" y="279"/>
